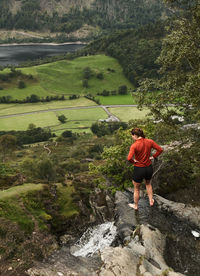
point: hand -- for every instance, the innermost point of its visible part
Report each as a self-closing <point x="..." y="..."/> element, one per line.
<point x="151" y="158"/>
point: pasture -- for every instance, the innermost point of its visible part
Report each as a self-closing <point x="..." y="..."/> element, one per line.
<point x="77" y="120"/>
<point x="65" y="78"/>
<point x="126" y="114"/>
<point x="8" y="109"/>
<point x="117" y="99"/>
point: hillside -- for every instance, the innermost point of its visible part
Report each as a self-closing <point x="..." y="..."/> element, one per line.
<point x="66" y="78"/>
<point x="67" y="17"/>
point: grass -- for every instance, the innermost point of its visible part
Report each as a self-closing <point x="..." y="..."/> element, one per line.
<point x="65" y="78"/>
<point x="76" y="118"/>
<point x="129" y="113"/>
<point x="118" y="99"/>
<point x="7" y="109"/>
<point x="67" y="207"/>
<point x="22" y="189"/>
<point x="20" y="204"/>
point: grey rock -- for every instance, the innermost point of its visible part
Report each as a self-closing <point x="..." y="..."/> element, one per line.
<point x="190" y="213"/>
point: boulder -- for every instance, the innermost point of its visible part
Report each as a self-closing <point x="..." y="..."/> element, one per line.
<point x="180" y="210"/>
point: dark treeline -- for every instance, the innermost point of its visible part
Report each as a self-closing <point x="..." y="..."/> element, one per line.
<point x="33" y="99"/>
<point x="136" y="50"/>
<point x="32" y="135"/>
<point x="107" y="128"/>
<point x="115" y="15"/>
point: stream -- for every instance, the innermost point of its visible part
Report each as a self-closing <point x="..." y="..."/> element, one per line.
<point x="182" y="251"/>
<point x="94" y="240"/>
<point x="84" y="257"/>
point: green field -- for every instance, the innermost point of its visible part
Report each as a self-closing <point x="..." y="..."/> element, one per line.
<point x="65" y="78"/>
<point x="118" y="99"/>
<point x="7" y="109"/>
<point x="129" y="113"/>
<point x="76" y="119"/>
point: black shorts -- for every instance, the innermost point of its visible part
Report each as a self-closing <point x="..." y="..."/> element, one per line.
<point x="141" y="173"/>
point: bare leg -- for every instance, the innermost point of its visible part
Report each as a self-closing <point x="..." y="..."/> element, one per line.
<point x="149" y="192"/>
<point x="136" y="195"/>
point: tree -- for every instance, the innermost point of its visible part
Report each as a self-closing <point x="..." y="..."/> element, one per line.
<point x="87" y="73"/>
<point x="34" y="98"/>
<point x="21" y="84"/>
<point x="67" y="134"/>
<point x="100" y="76"/>
<point x="7" y="144"/>
<point x="31" y="126"/>
<point x="122" y="90"/>
<point x="114" y="166"/>
<point x="62" y="118"/>
<point x="179" y="73"/>
<point x="85" y="83"/>
<point x="46" y="169"/>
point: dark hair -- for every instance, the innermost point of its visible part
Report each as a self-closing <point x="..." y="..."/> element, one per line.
<point x="138" y="131"/>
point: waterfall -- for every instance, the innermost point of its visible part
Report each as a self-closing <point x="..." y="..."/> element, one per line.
<point x="94" y="240"/>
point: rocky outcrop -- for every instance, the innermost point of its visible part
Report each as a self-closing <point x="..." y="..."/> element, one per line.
<point x="142" y="246"/>
<point x="139" y="249"/>
<point x="180" y="210"/>
<point x="102" y="205"/>
<point x="143" y="255"/>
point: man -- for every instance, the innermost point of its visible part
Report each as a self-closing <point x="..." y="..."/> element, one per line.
<point x="140" y="156"/>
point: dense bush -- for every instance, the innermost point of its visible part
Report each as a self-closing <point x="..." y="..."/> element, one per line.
<point x="106" y="128"/>
<point x="29" y="136"/>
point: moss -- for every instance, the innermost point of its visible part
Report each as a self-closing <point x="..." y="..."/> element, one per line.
<point x="11" y="210"/>
<point x="65" y="201"/>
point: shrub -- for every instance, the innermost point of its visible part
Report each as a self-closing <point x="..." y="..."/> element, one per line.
<point x="85" y="83"/>
<point x="21" y="84"/>
<point x="100" y="76"/>
<point x="62" y="118"/>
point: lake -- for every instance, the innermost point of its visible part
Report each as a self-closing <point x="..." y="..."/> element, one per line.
<point x="16" y="54"/>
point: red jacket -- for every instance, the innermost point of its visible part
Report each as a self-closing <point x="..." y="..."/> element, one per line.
<point x="141" y="151"/>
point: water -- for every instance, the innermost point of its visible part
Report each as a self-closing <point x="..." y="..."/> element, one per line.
<point x="16" y="54"/>
<point x="94" y="240"/>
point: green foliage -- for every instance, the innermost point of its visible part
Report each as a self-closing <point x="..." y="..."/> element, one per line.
<point x="100" y="76"/>
<point x="65" y="201"/>
<point x="104" y="128"/>
<point x="115" y="166"/>
<point x="62" y="118"/>
<point x="67" y="134"/>
<point x="7" y="144"/>
<point x="21" y="84"/>
<point x="179" y="72"/>
<point x="5" y="169"/>
<point x="11" y="210"/>
<point x="31" y="126"/>
<point x="87" y="73"/>
<point x="46" y="169"/>
<point x="29" y="136"/>
<point x="135" y="49"/>
<point x="43" y="168"/>
<point x="122" y="90"/>
<point x="85" y="83"/>
<point x="120" y="15"/>
<point x="176" y="173"/>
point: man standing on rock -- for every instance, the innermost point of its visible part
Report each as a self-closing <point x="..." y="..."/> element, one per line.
<point x="140" y="156"/>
